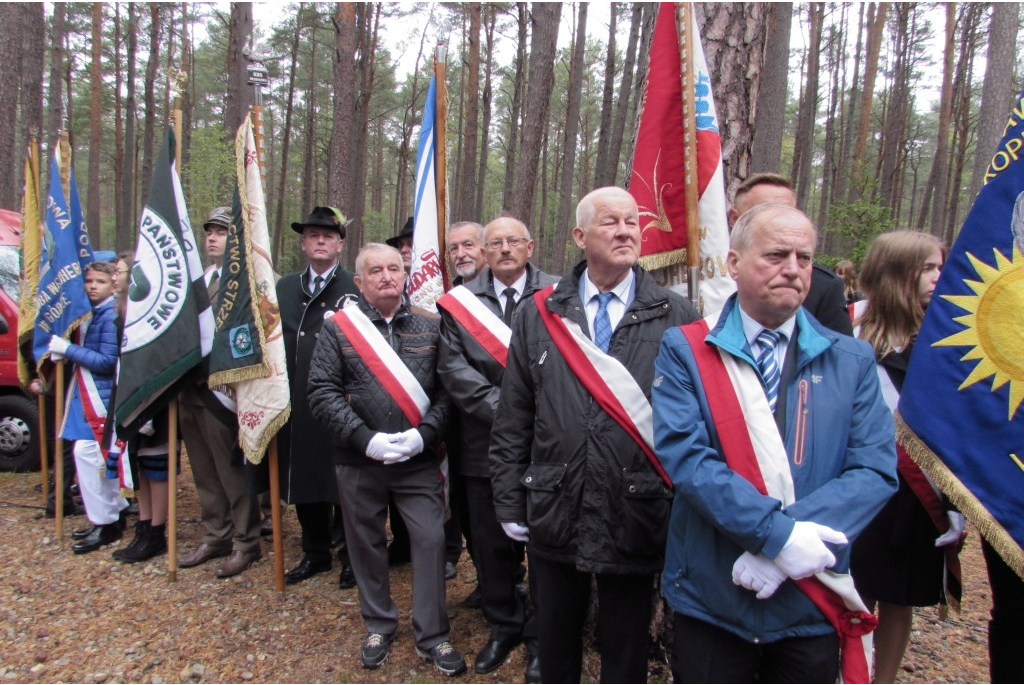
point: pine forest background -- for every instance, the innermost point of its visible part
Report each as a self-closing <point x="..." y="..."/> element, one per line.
<point x="883" y="114"/>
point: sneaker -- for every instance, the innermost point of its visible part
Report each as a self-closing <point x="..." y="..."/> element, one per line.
<point x="375" y="649"/>
<point x="445" y="657"/>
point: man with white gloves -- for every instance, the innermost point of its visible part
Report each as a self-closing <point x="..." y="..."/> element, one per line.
<point x="373" y="383"/>
<point x="781" y="450"/>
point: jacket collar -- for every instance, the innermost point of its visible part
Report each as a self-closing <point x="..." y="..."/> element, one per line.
<point x="483" y="283"/>
<point x="812" y="339"/>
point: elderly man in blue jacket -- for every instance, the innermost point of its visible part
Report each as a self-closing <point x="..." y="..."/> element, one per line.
<point x="774" y="433"/>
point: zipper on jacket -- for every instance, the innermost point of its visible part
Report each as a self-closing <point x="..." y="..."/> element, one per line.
<point x="803" y="390"/>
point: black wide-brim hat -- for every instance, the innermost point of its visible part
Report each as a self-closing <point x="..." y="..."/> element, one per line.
<point x="324" y="217"/>
<point x="406" y="232"/>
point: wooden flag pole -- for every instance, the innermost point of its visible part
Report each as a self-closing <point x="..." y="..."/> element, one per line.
<point x="58" y="449"/>
<point x="275" y="515"/>
<point x="684" y="23"/>
<point x="440" y="157"/>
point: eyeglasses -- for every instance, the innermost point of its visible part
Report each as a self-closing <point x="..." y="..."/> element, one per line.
<point x="513" y="243"/>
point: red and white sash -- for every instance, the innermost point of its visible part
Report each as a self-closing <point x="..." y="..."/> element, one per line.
<point x="599" y="373"/>
<point x="385" y="364"/>
<point x="484" y="325"/>
<point x="744" y="423"/>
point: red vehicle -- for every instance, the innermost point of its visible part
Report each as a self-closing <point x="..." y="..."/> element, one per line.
<point x="19" y="415"/>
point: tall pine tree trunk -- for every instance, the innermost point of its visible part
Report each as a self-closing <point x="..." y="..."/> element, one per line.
<point x="239" y="94"/>
<point x="126" y="222"/>
<point x="94" y="201"/>
<point x="564" y="219"/>
<point x="770" y="112"/>
<point x="518" y="92"/>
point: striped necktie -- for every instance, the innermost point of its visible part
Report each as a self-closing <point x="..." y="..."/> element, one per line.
<point x="602" y="323"/>
<point x="769" y="367"/>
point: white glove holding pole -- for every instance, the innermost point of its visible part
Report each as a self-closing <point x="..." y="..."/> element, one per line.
<point x="957" y="523"/>
<point x="805" y="553"/>
<point x="757" y="573"/>
<point x="517" y="531"/>
<point x="58" y="347"/>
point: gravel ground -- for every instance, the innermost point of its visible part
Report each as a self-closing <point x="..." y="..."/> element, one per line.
<point x="68" y="618"/>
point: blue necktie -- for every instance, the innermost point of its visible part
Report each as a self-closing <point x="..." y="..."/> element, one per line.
<point x="769" y="340"/>
<point x="603" y="324"/>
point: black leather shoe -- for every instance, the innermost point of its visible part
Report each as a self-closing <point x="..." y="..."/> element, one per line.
<point x="493" y="655"/>
<point x="306" y="569"/>
<point x="347" y="580"/>
<point x="101" y="535"/>
<point x="532" y="674"/>
<point x="83" y="533"/>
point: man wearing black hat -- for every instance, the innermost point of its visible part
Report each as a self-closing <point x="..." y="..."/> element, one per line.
<point x="307" y="298"/>
<point x="209" y="427"/>
<point x="403" y="243"/>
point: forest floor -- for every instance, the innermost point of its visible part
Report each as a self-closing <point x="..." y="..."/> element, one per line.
<point x="89" y="618"/>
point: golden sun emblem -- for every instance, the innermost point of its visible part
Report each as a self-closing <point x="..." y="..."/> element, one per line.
<point x="995" y="325"/>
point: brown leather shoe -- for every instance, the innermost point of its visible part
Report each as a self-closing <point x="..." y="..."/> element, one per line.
<point x="202" y="554"/>
<point x="237" y="562"/>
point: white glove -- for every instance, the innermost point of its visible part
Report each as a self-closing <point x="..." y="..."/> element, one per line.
<point x="58" y="346"/>
<point x="757" y="573"/>
<point x="147" y="428"/>
<point x="408" y="443"/>
<point x="957" y="523"/>
<point x="805" y="553"/>
<point x="393" y="457"/>
<point x="517" y="531"/>
<point x="379" y="445"/>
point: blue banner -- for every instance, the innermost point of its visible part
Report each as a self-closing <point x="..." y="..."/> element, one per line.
<point x="65" y="252"/>
<point x="960" y="409"/>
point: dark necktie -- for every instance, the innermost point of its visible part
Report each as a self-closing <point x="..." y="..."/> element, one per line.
<point x="213" y="287"/>
<point x="318" y="284"/>
<point x="510" y="304"/>
<point x="602" y="323"/>
<point x="769" y="340"/>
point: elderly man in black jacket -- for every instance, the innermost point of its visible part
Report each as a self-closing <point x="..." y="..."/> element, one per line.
<point x="373" y="383"/>
<point x="471" y="365"/>
<point x="574" y="476"/>
<point x="306" y="299"/>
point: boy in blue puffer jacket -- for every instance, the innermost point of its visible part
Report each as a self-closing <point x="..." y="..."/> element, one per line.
<point x="95" y="361"/>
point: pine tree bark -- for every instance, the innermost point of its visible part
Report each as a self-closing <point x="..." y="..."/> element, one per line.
<point x="286" y="133"/>
<point x="239" y="94"/>
<point x="518" y="92"/>
<point x="468" y="169"/>
<point x="33" y="40"/>
<point x="10" y="58"/>
<point x="770" y="104"/>
<point x="935" y="188"/>
<point x="485" y="130"/>
<point x="126" y="224"/>
<point x="612" y="172"/>
<point x="93" y="200"/>
<point x="544" y="21"/>
<point x="149" y="97"/>
<point x="605" y="133"/>
<point x="564" y="220"/>
<point x="876" y="28"/>
<point x="340" y="174"/>
<point x="803" y="146"/>
<point x="894" y="134"/>
<point x="55" y="87"/>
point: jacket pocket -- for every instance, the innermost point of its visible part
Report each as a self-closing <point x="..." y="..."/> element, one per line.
<point x="546" y="507"/>
<point x="644" y="506"/>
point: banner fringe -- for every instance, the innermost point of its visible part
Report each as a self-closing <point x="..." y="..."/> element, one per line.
<point x="662" y="260"/>
<point x="255" y="453"/>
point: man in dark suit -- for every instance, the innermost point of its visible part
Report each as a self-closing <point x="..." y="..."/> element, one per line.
<point x="307" y="473"/>
<point x="826" y="300"/>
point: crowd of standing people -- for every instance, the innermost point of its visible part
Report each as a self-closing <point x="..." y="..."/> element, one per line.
<point x="590" y="433"/>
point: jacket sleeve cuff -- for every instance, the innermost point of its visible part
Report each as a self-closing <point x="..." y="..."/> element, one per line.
<point x="361" y="438"/>
<point x="428" y="434"/>
<point x="782" y="528"/>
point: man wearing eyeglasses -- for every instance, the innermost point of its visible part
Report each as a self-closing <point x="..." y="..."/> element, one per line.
<point x="471" y="366"/>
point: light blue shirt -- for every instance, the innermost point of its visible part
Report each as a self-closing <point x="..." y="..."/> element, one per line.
<point x="752" y="329"/>
<point x="624" y="294"/>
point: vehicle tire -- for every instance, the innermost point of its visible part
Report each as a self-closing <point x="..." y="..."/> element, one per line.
<point x="19" y="423"/>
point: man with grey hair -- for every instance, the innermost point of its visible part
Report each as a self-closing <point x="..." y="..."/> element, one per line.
<point x="373" y="383"/>
<point x="572" y="462"/>
<point x="475" y="330"/>
<point x="781" y="450"/>
<point x="465" y="246"/>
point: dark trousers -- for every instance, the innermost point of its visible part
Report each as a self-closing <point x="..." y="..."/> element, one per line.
<point x="315" y="522"/>
<point x="704" y="653"/>
<point x="400" y="534"/>
<point x="497" y="560"/>
<point x="1004" y="634"/>
<point x="623" y="622"/>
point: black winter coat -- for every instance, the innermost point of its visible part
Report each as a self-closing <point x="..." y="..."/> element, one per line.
<point x="348" y="399"/>
<point x="473" y="376"/>
<point x="306" y="456"/>
<point x="559" y="462"/>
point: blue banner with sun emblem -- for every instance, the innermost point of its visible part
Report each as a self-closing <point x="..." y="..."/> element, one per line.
<point x="960" y="412"/>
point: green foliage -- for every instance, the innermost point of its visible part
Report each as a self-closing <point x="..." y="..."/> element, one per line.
<point x="858" y="221"/>
<point x="207" y="180"/>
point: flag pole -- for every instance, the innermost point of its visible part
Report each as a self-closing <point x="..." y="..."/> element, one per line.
<point x="32" y="177"/>
<point x="58" y="449"/>
<point x="177" y="85"/>
<point x="258" y="77"/>
<point x="684" y="23"/>
<point x="440" y="157"/>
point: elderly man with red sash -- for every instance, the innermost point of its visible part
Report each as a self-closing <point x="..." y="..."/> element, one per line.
<point x="572" y="462"/>
<point x="373" y="383"/>
<point x="781" y="449"/>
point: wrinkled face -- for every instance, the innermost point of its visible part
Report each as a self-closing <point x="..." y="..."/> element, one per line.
<point x="98" y="286"/>
<point x="773" y="271"/>
<point x="611" y="237"/>
<point x="216" y="240"/>
<point x="465" y="253"/>
<point x="381" y="280"/>
<point x="929" y="277"/>
<point x="124" y="276"/>
<point x="761" y="194"/>
<point x="508" y="249"/>
<point x="322" y="246"/>
<point x="405" y="247"/>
